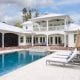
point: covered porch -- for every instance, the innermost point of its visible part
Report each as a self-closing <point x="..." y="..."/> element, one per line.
<point x="48" y="40"/>
<point x="8" y="39"/>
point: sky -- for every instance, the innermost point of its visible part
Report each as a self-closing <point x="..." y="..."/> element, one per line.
<point x="10" y="10"/>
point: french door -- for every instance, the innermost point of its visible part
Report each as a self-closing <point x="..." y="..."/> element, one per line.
<point x="58" y="40"/>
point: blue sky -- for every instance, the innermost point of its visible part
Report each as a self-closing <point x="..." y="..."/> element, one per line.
<point x="11" y="9"/>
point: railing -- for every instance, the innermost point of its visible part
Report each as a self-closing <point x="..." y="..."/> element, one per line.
<point x="50" y="28"/>
<point x="39" y="29"/>
<point x="56" y="28"/>
<point x="35" y="29"/>
<point x="43" y="28"/>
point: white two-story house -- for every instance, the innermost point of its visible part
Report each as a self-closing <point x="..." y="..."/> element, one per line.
<point x="51" y="29"/>
<point x="48" y="30"/>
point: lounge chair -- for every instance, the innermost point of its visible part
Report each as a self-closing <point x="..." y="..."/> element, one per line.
<point x="59" y="58"/>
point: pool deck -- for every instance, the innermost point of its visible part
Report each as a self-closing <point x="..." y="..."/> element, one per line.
<point x="38" y="70"/>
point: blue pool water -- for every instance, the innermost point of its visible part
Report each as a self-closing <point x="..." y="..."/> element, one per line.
<point x="14" y="60"/>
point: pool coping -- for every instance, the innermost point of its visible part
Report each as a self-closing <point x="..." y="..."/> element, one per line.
<point x="8" y="51"/>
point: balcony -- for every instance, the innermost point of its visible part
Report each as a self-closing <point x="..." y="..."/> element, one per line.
<point x="50" y="28"/>
<point x="56" y="28"/>
<point x="40" y="29"/>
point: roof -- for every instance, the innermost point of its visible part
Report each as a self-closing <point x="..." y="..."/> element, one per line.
<point x="49" y="16"/>
<point x="6" y="27"/>
<point x="27" y="22"/>
<point x="74" y="27"/>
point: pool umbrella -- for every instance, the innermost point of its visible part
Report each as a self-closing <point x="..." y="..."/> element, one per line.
<point x="78" y="40"/>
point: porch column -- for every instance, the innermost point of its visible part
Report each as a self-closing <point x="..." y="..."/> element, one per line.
<point x="65" y="21"/>
<point x="47" y="24"/>
<point x="25" y="40"/>
<point x="65" y="44"/>
<point x="47" y="41"/>
<point x="38" y="40"/>
<point x="32" y="40"/>
<point x="2" y="40"/>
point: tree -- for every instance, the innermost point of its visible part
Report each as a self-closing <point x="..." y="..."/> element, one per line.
<point x="27" y="13"/>
<point x="18" y="24"/>
<point x="24" y="11"/>
<point x="36" y="13"/>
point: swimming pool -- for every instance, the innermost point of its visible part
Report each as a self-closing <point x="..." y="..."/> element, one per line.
<point x="14" y="60"/>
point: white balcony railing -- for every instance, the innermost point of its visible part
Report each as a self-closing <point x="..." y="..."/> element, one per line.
<point x="43" y="28"/>
<point x="56" y="28"/>
<point x="35" y="29"/>
<point x="39" y="29"/>
<point x="50" y="28"/>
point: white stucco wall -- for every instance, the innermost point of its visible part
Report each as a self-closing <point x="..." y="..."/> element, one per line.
<point x="28" y="26"/>
<point x="71" y="40"/>
<point x="24" y="40"/>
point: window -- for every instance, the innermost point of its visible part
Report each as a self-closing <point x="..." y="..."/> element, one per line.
<point x="51" y="40"/>
<point x="75" y="37"/>
<point x="40" y="39"/>
<point x="43" y="39"/>
<point x="28" y="39"/>
<point x="21" y="39"/>
<point x="36" y="39"/>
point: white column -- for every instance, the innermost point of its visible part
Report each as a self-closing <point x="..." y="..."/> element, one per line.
<point x="65" y="23"/>
<point x="38" y="40"/>
<point x="47" y="24"/>
<point x="32" y="41"/>
<point x="47" y="40"/>
<point x="2" y="40"/>
<point x="65" y="44"/>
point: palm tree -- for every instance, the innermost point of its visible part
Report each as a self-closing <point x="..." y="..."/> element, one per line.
<point x="27" y="13"/>
<point x="36" y="13"/>
<point x="24" y="11"/>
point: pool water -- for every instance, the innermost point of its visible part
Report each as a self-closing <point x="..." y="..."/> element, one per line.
<point x="14" y="60"/>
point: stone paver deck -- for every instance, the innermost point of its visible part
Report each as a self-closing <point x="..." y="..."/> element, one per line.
<point x="38" y="70"/>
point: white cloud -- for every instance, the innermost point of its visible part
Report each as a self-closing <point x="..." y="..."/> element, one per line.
<point x="22" y="3"/>
<point x="2" y="12"/>
<point x="28" y="3"/>
<point x="34" y="3"/>
<point x="68" y="2"/>
<point x="12" y="19"/>
<point x="45" y="3"/>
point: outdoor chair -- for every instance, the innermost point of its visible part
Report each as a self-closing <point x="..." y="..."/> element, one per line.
<point x="62" y="58"/>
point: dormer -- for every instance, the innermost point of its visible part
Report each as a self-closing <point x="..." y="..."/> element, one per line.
<point x="28" y="26"/>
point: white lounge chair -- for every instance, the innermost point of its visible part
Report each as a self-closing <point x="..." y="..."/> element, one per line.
<point x="62" y="58"/>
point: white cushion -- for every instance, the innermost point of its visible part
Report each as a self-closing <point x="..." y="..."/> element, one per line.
<point x="57" y="60"/>
<point x="63" y="53"/>
<point x="60" y="56"/>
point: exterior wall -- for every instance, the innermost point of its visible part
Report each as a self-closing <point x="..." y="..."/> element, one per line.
<point x="71" y="40"/>
<point x="28" y="27"/>
<point x="24" y="40"/>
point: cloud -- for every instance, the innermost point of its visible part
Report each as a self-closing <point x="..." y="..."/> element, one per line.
<point x="28" y="3"/>
<point x="20" y="3"/>
<point x="12" y="19"/>
<point x="68" y="2"/>
<point x="52" y="4"/>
